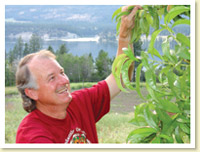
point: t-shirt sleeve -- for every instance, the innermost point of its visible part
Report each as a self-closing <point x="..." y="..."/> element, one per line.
<point x="100" y="99"/>
<point x="92" y="102"/>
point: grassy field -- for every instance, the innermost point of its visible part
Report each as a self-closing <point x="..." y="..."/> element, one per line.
<point x="112" y="128"/>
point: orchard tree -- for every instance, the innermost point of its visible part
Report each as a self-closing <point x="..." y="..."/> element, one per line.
<point x="62" y="49"/>
<point x="26" y="49"/>
<point x="35" y="43"/>
<point x="50" y="48"/>
<point x="164" y="116"/>
<point x="103" y="64"/>
<point x="71" y="65"/>
<point x="86" y="67"/>
<point x="17" y="51"/>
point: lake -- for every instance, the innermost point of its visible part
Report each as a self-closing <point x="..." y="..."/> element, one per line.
<point x="80" y="46"/>
<point x="76" y="47"/>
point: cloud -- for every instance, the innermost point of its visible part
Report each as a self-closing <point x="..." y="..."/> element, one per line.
<point x="32" y="10"/>
<point x="12" y="20"/>
<point x="24" y="35"/>
<point x="21" y="13"/>
<point x="81" y="17"/>
<point x="53" y="15"/>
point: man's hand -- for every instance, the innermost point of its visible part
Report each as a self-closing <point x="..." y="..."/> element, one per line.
<point x="128" y="23"/>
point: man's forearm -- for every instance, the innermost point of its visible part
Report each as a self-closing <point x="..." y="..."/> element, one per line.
<point x="127" y="24"/>
<point x="123" y="42"/>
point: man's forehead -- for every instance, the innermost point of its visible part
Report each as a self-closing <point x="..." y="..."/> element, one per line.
<point x="42" y="64"/>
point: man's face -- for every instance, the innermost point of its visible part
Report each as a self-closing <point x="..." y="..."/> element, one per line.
<point x="54" y="87"/>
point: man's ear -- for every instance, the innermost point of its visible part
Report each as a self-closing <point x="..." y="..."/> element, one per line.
<point x="31" y="93"/>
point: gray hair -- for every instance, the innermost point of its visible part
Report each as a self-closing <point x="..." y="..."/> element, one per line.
<point x="25" y="79"/>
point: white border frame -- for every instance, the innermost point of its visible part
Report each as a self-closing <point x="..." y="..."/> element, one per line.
<point x="96" y="2"/>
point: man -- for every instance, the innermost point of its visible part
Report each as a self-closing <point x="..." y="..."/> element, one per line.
<point x="55" y="114"/>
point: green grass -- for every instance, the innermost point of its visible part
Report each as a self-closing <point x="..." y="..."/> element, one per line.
<point x="114" y="128"/>
<point x="14" y="113"/>
<point x="12" y="90"/>
<point x="80" y="85"/>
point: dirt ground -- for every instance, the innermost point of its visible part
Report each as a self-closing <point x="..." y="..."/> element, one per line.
<point x="125" y="102"/>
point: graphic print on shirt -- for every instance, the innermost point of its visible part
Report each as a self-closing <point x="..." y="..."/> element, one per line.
<point x="77" y="136"/>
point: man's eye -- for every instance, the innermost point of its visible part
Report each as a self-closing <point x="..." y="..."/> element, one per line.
<point x="51" y="78"/>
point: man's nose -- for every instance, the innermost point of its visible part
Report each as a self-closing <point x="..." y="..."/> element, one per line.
<point x="64" y="79"/>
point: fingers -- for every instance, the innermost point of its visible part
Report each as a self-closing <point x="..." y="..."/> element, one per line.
<point x="125" y="8"/>
<point x="133" y="12"/>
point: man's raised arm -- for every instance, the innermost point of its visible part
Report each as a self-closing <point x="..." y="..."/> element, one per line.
<point x="127" y="24"/>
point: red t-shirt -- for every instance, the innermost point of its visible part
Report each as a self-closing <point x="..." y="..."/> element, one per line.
<point x="85" y="109"/>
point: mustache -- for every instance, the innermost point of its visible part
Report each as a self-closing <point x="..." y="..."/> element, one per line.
<point x="63" y="88"/>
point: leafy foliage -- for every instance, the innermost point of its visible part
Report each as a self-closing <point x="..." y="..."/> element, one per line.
<point x="164" y="117"/>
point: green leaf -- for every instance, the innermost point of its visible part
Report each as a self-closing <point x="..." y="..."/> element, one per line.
<point x="153" y="37"/>
<point x="139" y="121"/>
<point x="116" y="61"/>
<point x="121" y="14"/>
<point x="155" y="21"/>
<point x="174" y="12"/>
<point x="168" y="124"/>
<point x="139" y="109"/>
<point x="149" y="118"/>
<point x="183" y="52"/>
<point x="118" y="27"/>
<point x="150" y="79"/>
<point x="181" y="21"/>
<point x="169" y="106"/>
<point x="116" y="12"/>
<point x="149" y="19"/>
<point x="166" y="49"/>
<point x="155" y="52"/>
<point x="183" y="119"/>
<point x="171" y="80"/>
<point x="130" y="8"/>
<point x="138" y="71"/>
<point x="128" y="51"/>
<point x="125" y="76"/>
<point x="151" y="93"/>
<point x="116" y="70"/>
<point x="163" y="116"/>
<point x="118" y="74"/>
<point x="161" y="11"/>
<point x="144" y="58"/>
<point x="185" y="128"/>
<point x="134" y="35"/>
<point x="151" y="49"/>
<point x="144" y="25"/>
<point x="149" y="138"/>
<point x="183" y="39"/>
<point x="177" y="135"/>
<point x="168" y="138"/>
<point x="156" y="140"/>
<point x="139" y="134"/>
<point x="119" y="84"/>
